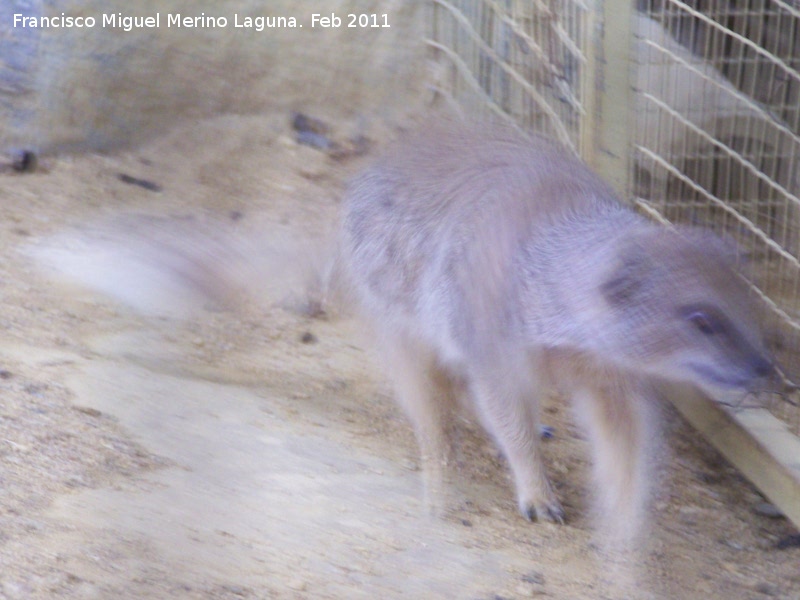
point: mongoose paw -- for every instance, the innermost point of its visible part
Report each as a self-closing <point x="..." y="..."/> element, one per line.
<point x="546" y="432"/>
<point x="550" y="511"/>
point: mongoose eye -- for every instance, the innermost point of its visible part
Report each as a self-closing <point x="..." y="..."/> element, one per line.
<point x="704" y="323"/>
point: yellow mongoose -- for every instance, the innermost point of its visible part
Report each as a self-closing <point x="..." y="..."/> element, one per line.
<point x="502" y="267"/>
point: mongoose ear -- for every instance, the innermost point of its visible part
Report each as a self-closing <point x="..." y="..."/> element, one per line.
<point x="625" y="284"/>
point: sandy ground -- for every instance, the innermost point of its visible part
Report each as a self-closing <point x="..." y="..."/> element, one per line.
<point x="258" y="454"/>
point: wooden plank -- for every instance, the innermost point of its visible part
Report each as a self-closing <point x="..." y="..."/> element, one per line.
<point x="607" y="129"/>
<point x="755" y="442"/>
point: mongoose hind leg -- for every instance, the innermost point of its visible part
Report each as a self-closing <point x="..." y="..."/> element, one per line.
<point x="428" y="395"/>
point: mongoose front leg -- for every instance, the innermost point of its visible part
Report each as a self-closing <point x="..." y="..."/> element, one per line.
<point x="507" y="399"/>
<point x="618" y="413"/>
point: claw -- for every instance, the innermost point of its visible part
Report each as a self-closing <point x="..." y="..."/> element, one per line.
<point x="551" y="512"/>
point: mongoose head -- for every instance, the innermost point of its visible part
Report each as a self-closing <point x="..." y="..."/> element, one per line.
<point x="686" y="313"/>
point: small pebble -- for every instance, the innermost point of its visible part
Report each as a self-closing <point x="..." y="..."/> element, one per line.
<point x="766" y="588"/>
<point x="304" y="123"/>
<point x="311" y="132"/>
<point x="410" y="465"/>
<point x="308" y="338"/>
<point x="533" y="577"/>
<point x="733" y="544"/>
<point x="88" y="410"/>
<point x="315" y="140"/>
<point x="790" y="541"/>
<point x="767" y="509"/>
<point x="142" y="183"/>
<point x="25" y="162"/>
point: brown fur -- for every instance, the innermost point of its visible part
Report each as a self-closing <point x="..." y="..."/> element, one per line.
<point x="503" y="263"/>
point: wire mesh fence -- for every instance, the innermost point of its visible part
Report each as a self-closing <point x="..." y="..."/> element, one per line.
<point x="717" y="141"/>
<point x="526" y="61"/>
<point x="714" y="113"/>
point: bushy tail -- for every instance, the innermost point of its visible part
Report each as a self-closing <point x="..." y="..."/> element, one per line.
<point x="170" y="266"/>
